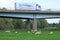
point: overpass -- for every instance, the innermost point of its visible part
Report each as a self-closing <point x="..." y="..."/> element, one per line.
<point x="29" y="14"/>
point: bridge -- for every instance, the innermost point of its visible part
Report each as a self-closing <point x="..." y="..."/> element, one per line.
<point x="29" y="14"/>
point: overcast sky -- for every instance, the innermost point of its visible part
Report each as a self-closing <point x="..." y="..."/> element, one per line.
<point x="45" y="4"/>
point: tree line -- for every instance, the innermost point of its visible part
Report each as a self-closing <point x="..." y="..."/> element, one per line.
<point x="10" y="24"/>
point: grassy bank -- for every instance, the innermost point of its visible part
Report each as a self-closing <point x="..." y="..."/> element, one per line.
<point x="31" y="36"/>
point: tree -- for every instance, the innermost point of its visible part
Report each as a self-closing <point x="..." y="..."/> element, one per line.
<point x="42" y="23"/>
<point x="5" y="23"/>
<point x="18" y="24"/>
<point x="59" y="24"/>
<point x="2" y="22"/>
<point x="3" y="9"/>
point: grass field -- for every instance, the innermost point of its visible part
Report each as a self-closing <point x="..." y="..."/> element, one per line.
<point x="23" y="35"/>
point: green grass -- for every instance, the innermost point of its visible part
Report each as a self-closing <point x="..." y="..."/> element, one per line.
<point x="23" y="35"/>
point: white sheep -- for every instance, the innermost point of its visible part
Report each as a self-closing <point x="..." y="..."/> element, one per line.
<point x="16" y="32"/>
<point x="7" y="31"/>
<point x="38" y="33"/>
<point x="51" y="32"/>
<point x="28" y="31"/>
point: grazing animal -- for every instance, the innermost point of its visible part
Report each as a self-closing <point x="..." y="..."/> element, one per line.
<point x="38" y="33"/>
<point x="7" y="31"/>
<point x="16" y="32"/>
<point x="28" y="31"/>
<point x="51" y="32"/>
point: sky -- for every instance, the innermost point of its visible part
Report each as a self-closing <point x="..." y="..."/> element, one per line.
<point x="45" y="4"/>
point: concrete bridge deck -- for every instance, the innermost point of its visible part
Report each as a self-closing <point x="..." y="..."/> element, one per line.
<point x="29" y="11"/>
<point x="29" y="14"/>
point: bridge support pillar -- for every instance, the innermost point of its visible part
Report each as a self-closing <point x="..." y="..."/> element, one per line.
<point x="28" y="25"/>
<point x="34" y="25"/>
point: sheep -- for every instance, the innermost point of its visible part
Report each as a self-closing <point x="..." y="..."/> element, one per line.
<point x="7" y="31"/>
<point x="51" y="32"/>
<point x="16" y="32"/>
<point x="28" y="31"/>
<point x="33" y="31"/>
<point x="38" y="33"/>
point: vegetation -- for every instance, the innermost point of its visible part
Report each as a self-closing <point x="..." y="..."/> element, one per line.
<point x="17" y="27"/>
<point x="23" y="35"/>
<point x="10" y="24"/>
<point x="42" y="23"/>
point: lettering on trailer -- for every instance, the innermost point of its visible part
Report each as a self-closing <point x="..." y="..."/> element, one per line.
<point x="24" y="6"/>
<point x="27" y="5"/>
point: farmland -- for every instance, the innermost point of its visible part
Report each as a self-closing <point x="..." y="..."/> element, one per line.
<point x="23" y="35"/>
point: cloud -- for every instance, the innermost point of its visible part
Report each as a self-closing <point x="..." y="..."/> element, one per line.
<point x="9" y="4"/>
